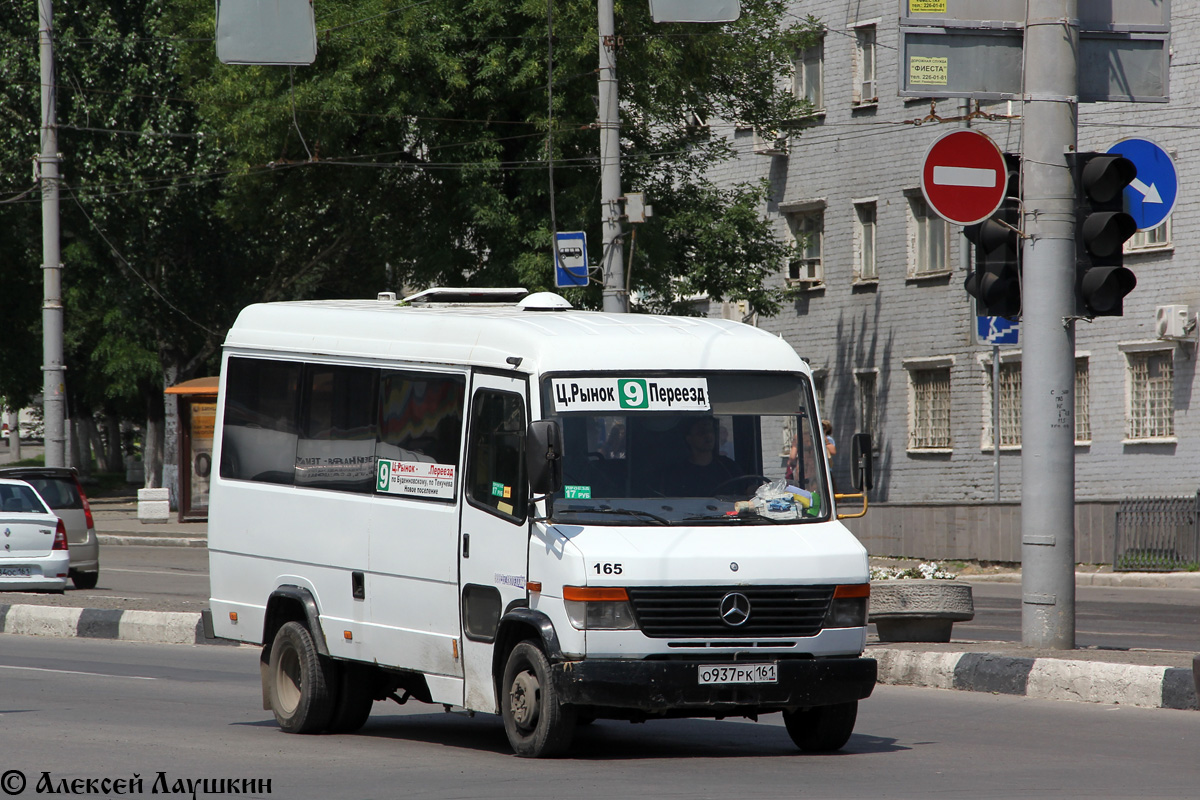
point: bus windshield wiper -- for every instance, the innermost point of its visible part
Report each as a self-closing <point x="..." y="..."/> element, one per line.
<point x="739" y="517"/>
<point x="628" y="512"/>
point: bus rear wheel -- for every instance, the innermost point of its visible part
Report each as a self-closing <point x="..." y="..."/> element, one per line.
<point x="537" y="724"/>
<point x="299" y="681"/>
<point x="355" y="696"/>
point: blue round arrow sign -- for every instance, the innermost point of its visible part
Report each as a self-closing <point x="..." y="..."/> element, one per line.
<point x="1151" y="197"/>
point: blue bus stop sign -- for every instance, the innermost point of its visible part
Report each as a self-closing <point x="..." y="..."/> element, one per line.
<point x="570" y="260"/>
<point x="997" y="330"/>
<point x="1151" y="196"/>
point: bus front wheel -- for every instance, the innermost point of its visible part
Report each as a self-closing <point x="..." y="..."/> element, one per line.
<point x="823" y="729"/>
<point x="537" y="724"/>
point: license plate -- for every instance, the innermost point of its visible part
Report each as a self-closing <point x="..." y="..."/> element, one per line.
<point x="15" y="572"/>
<point x="738" y="673"/>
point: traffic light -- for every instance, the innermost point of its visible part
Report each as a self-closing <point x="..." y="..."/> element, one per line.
<point x="1101" y="228"/>
<point x="995" y="282"/>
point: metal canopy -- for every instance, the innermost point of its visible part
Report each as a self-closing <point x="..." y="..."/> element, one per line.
<point x="973" y="48"/>
<point x="695" y="10"/>
<point x="280" y="32"/>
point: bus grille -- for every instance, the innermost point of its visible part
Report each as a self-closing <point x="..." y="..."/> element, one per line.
<point x="695" y="611"/>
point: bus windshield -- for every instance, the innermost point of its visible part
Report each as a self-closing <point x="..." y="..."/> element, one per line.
<point x="704" y="449"/>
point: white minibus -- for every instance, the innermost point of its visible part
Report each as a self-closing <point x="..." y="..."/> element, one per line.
<point x="490" y="501"/>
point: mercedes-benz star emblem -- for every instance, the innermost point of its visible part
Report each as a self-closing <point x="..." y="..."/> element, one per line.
<point x="735" y="609"/>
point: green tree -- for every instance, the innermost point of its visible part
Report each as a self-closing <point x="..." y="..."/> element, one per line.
<point x="414" y="150"/>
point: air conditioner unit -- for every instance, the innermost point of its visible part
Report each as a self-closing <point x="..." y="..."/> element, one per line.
<point x="770" y="143"/>
<point x="1172" y="322"/>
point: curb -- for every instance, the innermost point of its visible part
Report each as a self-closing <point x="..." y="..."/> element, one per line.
<point x="151" y="541"/>
<point x="1044" y="678"/>
<point x="1144" y="580"/>
<point x="152" y="627"/>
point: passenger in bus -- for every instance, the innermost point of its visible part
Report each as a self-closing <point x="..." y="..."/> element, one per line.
<point x="702" y="470"/>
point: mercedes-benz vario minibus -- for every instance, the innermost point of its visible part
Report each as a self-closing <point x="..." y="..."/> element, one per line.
<point x="529" y="510"/>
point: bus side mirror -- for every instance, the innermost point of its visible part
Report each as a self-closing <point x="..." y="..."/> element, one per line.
<point x="543" y="456"/>
<point x="860" y="462"/>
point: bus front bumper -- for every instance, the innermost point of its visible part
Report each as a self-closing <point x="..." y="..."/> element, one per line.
<point x="674" y="687"/>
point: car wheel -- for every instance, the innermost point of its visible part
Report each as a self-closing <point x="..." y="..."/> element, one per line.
<point x="85" y="580"/>
<point x="823" y="729"/>
<point x="299" y="681"/>
<point x="355" y="697"/>
<point x="537" y="724"/>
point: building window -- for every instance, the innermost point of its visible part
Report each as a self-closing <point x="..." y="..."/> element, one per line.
<point x="929" y="403"/>
<point x="1158" y="238"/>
<point x="806" y="268"/>
<point x="865" y="268"/>
<point x="868" y="419"/>
<point x="1151" y="412"/>
<point x="1083" y="417"/>
<point x="1010" y="405"/>
<point x="929" y="239"/>
<point x="807" y="84"/>
<point x="864" y="65"/>
<point x="820" y="379"/>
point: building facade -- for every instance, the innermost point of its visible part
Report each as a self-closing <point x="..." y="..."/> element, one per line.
<point x="879" y="309"/>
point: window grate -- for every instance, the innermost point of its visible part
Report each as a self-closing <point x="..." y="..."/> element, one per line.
<point x="1151" y="396"/>
<point x="931" y="409"/>
<point x="1083" y="417"/>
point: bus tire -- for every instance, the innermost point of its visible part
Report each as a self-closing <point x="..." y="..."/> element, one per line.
<point x="822" y="729"/>
<point x="299" y="681"/>
<point x="355" y="697"/>
<point x="537" y="724"/>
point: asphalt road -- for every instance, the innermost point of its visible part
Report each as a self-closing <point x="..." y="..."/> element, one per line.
<point x="1105" y="617"/>
<point x="96" y="709"/>
<point x="141" y="578"/>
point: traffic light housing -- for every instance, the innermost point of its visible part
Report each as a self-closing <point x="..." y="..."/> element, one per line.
<point x="995" y="281"/>
<point x="1101" y="229"/>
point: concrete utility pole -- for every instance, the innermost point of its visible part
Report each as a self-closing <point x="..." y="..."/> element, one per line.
<point x="53" y="380"/>
<point x="616" y="299"/>
<point x="1050" y="113"/>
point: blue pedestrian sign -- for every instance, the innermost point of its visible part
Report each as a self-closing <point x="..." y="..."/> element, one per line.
<point x="997" y="330"/>
<point x="1151" y="196"/>
<point x="570" y="260"/>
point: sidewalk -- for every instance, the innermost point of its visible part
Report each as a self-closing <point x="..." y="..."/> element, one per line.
<point x="117" y="523"/>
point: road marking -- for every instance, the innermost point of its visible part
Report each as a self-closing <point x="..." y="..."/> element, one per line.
<point x="158" y="572"/>
<point x="964" y="176"/>
<point x="75" y="672"/>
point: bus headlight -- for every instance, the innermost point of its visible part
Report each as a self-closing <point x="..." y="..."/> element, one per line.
<point x="599" y="608"/>
<point x="848" y="608"/>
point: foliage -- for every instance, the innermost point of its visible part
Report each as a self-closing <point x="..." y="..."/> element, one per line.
<point x="414" y="152"/>
<point x="143" y="281"/>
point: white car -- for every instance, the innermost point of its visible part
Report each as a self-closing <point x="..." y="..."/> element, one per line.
<point x="33" y="541"/>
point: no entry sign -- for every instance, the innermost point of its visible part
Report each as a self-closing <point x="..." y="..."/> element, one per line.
<point x="964" y="177"/>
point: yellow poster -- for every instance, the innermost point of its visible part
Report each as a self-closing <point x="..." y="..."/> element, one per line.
<point x="927" y="6"/>
<point x="204" y="420"/>
<point x="928" y="71"/>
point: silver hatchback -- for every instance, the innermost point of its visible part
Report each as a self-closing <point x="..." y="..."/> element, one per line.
<point x="33" y="541"/>
<point x="59" y="487"/>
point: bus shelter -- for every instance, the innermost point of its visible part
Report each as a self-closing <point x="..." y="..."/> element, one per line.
<point x="197" y="422"/>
